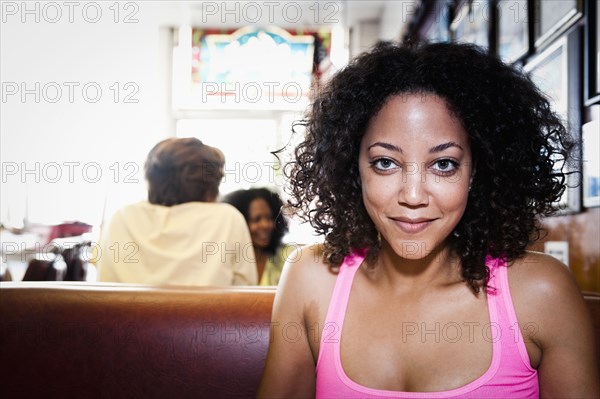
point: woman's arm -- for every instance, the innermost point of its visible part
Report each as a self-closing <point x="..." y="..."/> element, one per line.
<point x="565" y="333"/>
<point x="290" y="368"/>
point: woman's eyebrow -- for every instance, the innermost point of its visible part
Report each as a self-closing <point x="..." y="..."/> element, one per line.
<point x="387" y="146"/>
<point x="442" y="147"/>
<point x="437" y="148"/>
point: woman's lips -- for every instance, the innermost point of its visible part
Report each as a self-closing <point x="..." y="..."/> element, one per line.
<point x="412" y="226"/>
<point x="263" y="238"/>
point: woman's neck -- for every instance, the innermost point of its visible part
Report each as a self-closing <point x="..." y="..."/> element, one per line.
<point x="437" y="268"/>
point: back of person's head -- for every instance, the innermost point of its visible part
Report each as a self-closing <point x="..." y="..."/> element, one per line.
<point x="241" y="199"/>
<point x="183" y="170"/>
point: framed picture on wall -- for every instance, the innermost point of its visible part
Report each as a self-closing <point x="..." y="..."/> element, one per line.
<point x="555" y="72"/>
<point x="591" y="163"/>
<point x="592" y="54"/>
<point x="513" y="29"/>
<point x="553" y="17"/>
<point x="471" y="23"/>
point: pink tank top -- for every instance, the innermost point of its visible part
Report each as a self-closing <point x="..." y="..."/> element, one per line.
<point x="509" y="375"/>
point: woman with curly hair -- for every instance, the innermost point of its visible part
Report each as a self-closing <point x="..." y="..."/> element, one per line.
<point x="262" y="210"/>
<point x="427" y="168"/>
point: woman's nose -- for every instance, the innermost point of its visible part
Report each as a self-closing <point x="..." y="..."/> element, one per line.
<point x="413" y="187"/>
<point x="265" y="223"/>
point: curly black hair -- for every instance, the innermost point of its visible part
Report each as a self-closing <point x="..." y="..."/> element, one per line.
<point x="241" y="199"/>
<point x="520" y="149"/>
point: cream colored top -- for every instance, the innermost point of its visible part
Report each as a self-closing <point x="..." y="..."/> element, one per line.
<point x="196" y="243"/>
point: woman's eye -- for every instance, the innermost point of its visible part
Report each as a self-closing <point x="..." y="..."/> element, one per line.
<point x="383" y="164"/>
<point x="445" y="166"/>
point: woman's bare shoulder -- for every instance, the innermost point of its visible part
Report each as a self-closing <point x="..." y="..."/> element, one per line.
<point x="547" y="299"/>
<point x="306" y="275"/>
<point x="544" y="292"/>
<point x="541" y="275"/>
<point x="300" y="301"/>
<point x="306" y="262"/>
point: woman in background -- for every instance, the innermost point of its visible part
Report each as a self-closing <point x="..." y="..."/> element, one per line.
<point x="262" y="210"/>
<point x="180" y="235"/>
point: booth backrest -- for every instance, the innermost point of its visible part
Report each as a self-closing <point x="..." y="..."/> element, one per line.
<point x="82" y="340"/>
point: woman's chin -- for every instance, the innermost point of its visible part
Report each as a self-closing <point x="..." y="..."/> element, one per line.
<point x="260" y="245"/>
<point x="412" y="250"/>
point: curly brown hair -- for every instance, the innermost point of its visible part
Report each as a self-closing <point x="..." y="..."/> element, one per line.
<point x="519" y="145"/>
<point x="183" y="170"/>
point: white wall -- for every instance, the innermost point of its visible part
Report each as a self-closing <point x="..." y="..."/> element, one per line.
<point x="74" y="147"/>
<point x="41" y="131"/>
<point x="395" y="18"/>
<point x="372" y="21"/>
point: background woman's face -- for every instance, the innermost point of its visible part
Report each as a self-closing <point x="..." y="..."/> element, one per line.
<point x="260" y="222"/>
<point x="415" y="167"/>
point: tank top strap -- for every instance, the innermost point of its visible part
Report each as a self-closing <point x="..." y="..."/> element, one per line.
<point x="512" y="339"/>
<point x="334" y="321"/>
<point x="499" y="293"/>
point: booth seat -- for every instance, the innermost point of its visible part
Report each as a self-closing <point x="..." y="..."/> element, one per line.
<point x="82" y="340"/>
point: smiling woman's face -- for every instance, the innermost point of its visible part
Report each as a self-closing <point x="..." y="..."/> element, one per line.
<point x="415" y="167"/>
<point x="260" y="223"/>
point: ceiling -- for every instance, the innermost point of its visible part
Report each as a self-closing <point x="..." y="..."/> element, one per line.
<point x="286" y="14"/>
